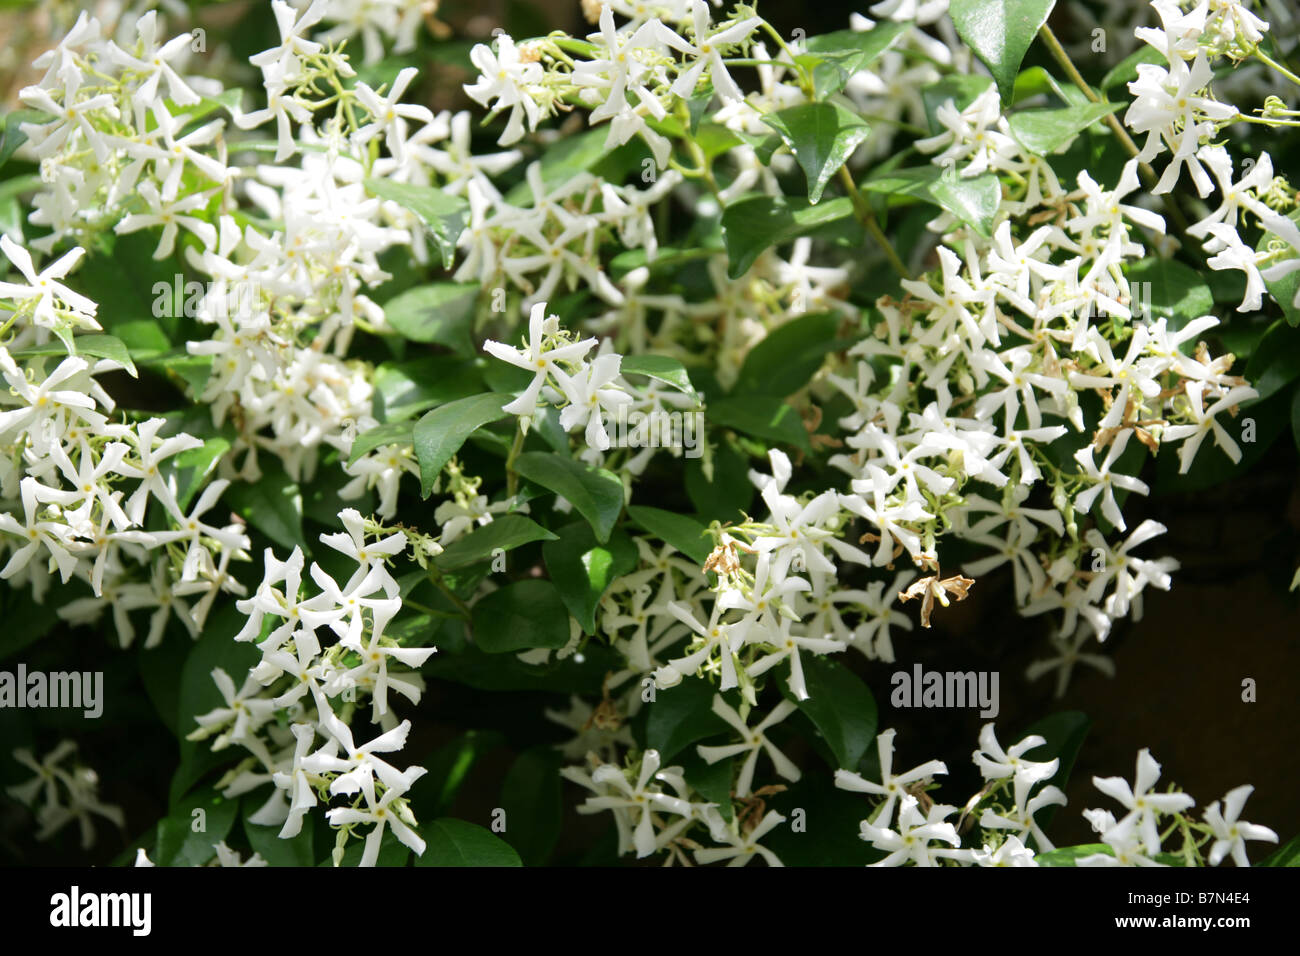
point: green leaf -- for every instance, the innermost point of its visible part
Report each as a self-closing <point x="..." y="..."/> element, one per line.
<point x="404" y="389"/>
<point x="394" y="433"/>
<point x="712" y="781"/>
<point x="441" y="432"/>
<point x="13" y="134"/>
<point x="595" y="492"/>
<point x="1287" y="855"/>
<point x="582" y="569"/>
<point x="840" y="706"/>
<point x="681" y="715"/>
<point x="272" y="505"/>
<point x="444" y="216"/>
<point x="296" y="851"/>
<point x="441" y="312"/>
<point x="973" y="200"/>
<point x="1000" y="32"/>
<point x="194" y="467"/>
<point x="1170" y="290"/>
<point x="561" y="161"/>
<point x="835" y="57"/>
<point x="1045" y="131"/>
<point x="661" y="368"/>
<point x="187" y="835"/>
<point x="762" y="416"/>
<point x="96" y="346"/>
<point x="751" y="225"/>
<point x="504" y="533"/>
<point x="784" y="361"/>
<point x="450" y="842"/>
<point x="822" y="137"/>
<point x="1276" y="361"/>
<point x="532" y="799"/>
<point x="1070" y="855"/>
<point x="685" y="534"/>
<point x="521" y="616"/>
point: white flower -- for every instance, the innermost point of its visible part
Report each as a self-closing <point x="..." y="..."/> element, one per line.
<point x="503" y="82"/>
<point x="707" y="49"/>
<point x="1144" y="807"/>
<point x="892" y="786"/>
<point x="753" y="740"/>
<point x="1231" y="833"/>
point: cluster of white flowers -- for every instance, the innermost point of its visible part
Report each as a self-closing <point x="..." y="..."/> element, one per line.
<point x="320" y="689"/>
<point x="62" y="790"/>
<point x="995" y="403"/>
<point x="62" y="507"/>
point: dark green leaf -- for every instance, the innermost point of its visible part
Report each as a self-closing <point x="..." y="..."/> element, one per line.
<point x="762" y="416"/>
<point x="272" y="505"/>
<point x="451" y="842"/>
<point x="521" y="616"/>
<point x="681" y="715"/>
<point x="751" y="225"/>
<point x="685" y="534"/>
<point x="532" y="800"/>
<point x="394" y="433"/>
<point x="840" y="706"/>
<point x="595" y="492"/>
<point x="788" y="357"/>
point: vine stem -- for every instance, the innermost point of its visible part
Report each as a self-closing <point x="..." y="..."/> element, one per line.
<point x="512" y="478"/>
<point x="862" y="209"/>
<point x="1265" y="58"/>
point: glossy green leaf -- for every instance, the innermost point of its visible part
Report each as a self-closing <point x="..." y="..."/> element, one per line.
<point x="94" y="346"/>
<point x="597" y="494"/>
<point x="822" y="137"/>
<point x="751" y="225"/>
<point x="835" y="57"/>
<point x="450" y="842"/>
<point x="441" y="432"/>
<point x="1000" y="32"/>
<point x="444" y="216"/>
<point x="661" y="368"/>
<point x="582" y="568"/>
<point x="502" y="534"/>
<point x="684" y="533"/>
<point x="840" y="706"/>
<point x="1046" y="131"/>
